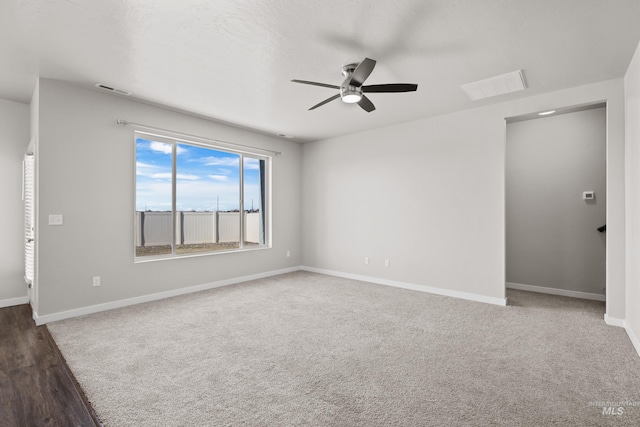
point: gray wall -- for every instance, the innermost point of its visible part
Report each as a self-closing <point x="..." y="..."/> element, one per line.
<point x="430" y="196"/>
<point x="632" y="103"/>
<point x="86" y="173"/>
<point x="552" y="237"/>
<point x="14" y="138"/>
<point x="436" y="186"/>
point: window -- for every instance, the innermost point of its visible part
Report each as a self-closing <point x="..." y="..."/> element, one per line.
<point x="193" y="199"/>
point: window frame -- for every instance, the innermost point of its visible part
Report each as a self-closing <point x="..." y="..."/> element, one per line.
<point x="266" y="214"/>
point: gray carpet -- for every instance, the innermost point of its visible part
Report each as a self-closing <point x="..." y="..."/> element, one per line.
<point x="313" y="350"/>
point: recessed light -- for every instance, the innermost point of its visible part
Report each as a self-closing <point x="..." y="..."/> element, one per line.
<point x="546" y="113"/>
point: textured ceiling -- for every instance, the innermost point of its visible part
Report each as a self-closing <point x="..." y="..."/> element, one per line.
<point x="232" y="60"/>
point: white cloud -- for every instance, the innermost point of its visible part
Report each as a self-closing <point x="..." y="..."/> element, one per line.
<point x="162" y="175"/>
<point x="145" y="169"/>
<point x="187" y="177"/>
<point x="250" y="163"/>
<point x="221" y="171"/>
<point x="220" y="161"/>
<point x="161" y="147"/>
<point x="219" y="177"/>
<point x="164" y="148"/>
<point x="168" y="175"/>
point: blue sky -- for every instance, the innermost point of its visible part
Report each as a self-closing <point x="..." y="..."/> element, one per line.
<point x="206" y="178"/>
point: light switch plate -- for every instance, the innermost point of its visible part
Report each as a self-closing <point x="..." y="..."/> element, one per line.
<point x="55" y="219"/>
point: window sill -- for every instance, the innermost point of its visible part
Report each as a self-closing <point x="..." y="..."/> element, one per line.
<point x="141" y="260"/>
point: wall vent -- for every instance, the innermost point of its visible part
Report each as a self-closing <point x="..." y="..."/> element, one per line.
<point x="112" y="89"/>
<point x="494" y="86"/>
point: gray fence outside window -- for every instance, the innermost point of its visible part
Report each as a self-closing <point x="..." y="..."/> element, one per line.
<point x="154" y="228"/>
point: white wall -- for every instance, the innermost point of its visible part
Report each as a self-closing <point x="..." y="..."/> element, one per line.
<point x="14" y="138"/>
<point x="430" y="196"/>
<point x="632" y="104"/>
<point x="552" y="236"/>
<point x="416" y="194"/>
<point x="86" y="173"/>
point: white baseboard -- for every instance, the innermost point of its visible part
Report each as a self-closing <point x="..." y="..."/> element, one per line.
<point x="621" y="323"/>
<point x="633" y="337"/>
<point x="47" y="318"/>
<point x="412" y="286"/>
<point x="614" y="321"/>
<point x="555" y="291"/>
<point x="10" y="302"/>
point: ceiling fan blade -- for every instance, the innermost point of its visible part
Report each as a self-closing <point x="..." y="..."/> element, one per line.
<point x="362" y="71"/>
<point x="366" y="104"/>
<point x="391" y="87"/>
<point x="316" y="84"/>
<point x="325" y="101"/>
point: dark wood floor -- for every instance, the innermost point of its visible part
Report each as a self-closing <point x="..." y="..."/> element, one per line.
<point x="36" y="386"/>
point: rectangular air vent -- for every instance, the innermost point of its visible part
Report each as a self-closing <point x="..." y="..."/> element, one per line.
<point x="112" y="89"/>
<point x="494" y="86"/>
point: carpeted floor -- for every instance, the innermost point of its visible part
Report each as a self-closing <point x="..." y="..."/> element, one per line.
<point x="314" y="350"/>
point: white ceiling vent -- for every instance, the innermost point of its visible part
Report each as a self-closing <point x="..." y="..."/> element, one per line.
<point x="494" y="86"/>
<point x="112" y="89"/>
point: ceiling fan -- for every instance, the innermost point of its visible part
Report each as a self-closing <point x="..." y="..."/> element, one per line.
<point x="352" y="90"/>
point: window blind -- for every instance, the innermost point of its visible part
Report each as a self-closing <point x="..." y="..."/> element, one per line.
<point x="28" y="196"/>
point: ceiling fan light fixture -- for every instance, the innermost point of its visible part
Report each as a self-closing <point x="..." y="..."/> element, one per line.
<point x="352" y="98"/>
<point x="351" y="94"/>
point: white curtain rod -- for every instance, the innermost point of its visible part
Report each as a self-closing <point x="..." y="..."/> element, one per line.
<point x="186" y="135"/>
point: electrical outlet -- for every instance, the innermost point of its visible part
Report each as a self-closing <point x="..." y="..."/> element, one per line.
<point x="96" y="281"/>
<point x="387" y="263"/>
<point x="55" y="219"/>
<point x="366" y="260"/>
<point x="288" y="254"/>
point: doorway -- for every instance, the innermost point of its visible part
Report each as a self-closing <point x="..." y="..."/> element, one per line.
<point x="555" y="199"/>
